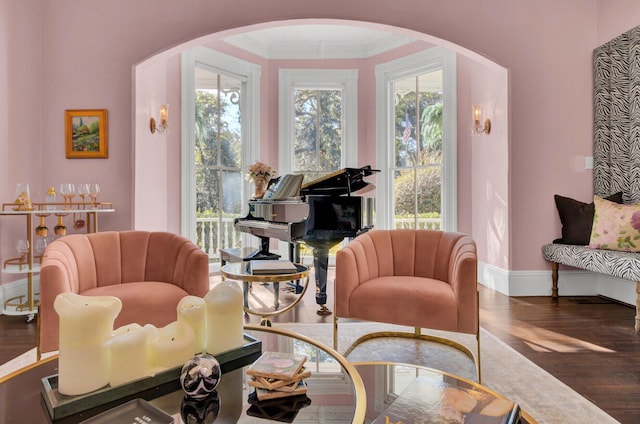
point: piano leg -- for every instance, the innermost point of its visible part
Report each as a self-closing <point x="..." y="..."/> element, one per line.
<point x="321" y="266"/>
<point x="294" y="253"/>
<point x="263" y="252"/>
<point x="294" y="256"/>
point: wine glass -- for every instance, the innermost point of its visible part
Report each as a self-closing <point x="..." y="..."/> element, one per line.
<point x="39" y="245"/>
<point x="65" y="190"/>
<point x="60" y="229"/>
<point x="22" y="246"/>
<point x="71" y="193"/>
<point x="83" y="191"/>
<point x="94" y="190"/>
<point x="41" y="229"/>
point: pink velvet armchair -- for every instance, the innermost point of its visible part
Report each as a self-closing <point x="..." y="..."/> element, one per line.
<point x="148" y="271"/>
<point x="418" y="278"/>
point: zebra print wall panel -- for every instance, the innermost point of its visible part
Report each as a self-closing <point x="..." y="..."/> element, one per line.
<point x="616" y="138"/>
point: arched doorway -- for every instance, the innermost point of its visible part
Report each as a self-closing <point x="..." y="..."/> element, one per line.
<point x="481" y="167"/>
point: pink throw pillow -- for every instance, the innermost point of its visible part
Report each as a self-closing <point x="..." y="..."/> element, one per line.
<point x="615" y="226"/>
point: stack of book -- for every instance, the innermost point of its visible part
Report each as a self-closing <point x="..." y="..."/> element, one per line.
<point x="278" y="375"/>
<point x="271" y="267"/>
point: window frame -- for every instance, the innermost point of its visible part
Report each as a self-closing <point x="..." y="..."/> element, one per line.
<point x="311" y="79"/>
<point x="388" y="73"/>
<point x="245" y="71"/>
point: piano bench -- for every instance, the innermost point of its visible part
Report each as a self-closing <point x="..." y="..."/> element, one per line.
<point x="232" y="255"/>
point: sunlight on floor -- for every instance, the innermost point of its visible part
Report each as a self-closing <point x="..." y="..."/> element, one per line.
<point x="541" y="340"/>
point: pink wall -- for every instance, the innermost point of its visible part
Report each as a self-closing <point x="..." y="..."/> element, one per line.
<point x="151" y="151"/>
<point x="59" y="56"/>
<point x="489" y="176"/>
<point x="616" y="17"/>
<point x="21" y="132"/>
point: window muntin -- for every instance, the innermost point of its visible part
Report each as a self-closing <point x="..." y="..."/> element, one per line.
<point x="318" y="132"/>
<point x="417" y="169"/>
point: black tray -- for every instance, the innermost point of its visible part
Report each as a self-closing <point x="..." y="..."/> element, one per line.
<point x="60" y="406"/>
<point x="137" y="410"/>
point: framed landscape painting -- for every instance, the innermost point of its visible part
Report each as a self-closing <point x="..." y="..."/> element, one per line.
<point x="86" y="133"/>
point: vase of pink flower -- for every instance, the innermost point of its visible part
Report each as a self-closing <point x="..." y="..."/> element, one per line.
<point x="260" y="174"/>
<point x="23" y="200"/>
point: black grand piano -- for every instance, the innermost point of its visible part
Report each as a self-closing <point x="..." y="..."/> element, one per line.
<point x="320" y="213"/>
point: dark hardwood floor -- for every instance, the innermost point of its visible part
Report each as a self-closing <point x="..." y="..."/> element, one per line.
<point x="589" y="343"/>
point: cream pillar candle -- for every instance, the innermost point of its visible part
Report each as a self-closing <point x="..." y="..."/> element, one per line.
<point x="128" y="346"/>
<point x="171" y="346"/>
<point x="192" y="311"/>
<point x="225" y="317"/>
<point x="86" y="323"/>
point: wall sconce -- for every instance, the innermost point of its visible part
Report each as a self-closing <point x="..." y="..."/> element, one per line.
<point x="163" y="118"/>
<point x="478" y="127"/>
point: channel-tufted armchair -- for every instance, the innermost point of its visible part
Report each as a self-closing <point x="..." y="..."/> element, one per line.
<point x="419" y="278"/>
<point x="148" y="271"/>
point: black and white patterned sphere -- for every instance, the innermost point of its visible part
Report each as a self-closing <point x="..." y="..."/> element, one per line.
<point x="200" y="376"/>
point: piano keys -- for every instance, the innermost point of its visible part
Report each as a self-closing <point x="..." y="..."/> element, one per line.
<point x="280" y="211"/>
<point x="282" y="220"/>
<point x="320" y="213"/>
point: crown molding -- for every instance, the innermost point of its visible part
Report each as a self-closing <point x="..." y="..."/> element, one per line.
<point x="271" y="48"/>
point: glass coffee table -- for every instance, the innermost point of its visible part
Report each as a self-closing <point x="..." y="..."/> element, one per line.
<point x="265" y="295"/>
<point x="335" y="391"/>
<point x="338" y="392"/>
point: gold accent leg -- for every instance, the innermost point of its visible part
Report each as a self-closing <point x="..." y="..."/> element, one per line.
<point x="275" y="280"/>
<point x="38" y="352"/>
<point x="335" y="332"/>
<point x="92" y="222"/>
<point x="478" y="366"/>
<point x="478" y="363"/>
<point x="30" y="300"/>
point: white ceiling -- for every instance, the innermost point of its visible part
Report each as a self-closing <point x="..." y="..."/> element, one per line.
<point x="314" y="41"/>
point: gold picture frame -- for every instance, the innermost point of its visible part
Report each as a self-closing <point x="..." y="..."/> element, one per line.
<point x="86" y="134"/>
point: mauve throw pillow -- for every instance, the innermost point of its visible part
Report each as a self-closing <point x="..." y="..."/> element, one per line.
<point x="577" y="219"/>
<point x="615" y="226"/>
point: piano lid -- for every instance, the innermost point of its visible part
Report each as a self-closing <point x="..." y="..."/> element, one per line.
<point x="342" y="181"/>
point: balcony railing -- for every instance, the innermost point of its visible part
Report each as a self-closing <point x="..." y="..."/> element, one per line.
<point x="213" y="234"/>
<point x="421" y="223"/>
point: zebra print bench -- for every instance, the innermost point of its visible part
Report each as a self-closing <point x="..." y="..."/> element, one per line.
<point x="624" y="265"/>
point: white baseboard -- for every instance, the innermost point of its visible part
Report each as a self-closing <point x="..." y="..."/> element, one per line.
<point x="570" y="283"/>
<point x="17" y="288"/>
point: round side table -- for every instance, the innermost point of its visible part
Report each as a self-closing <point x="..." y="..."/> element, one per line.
<point x="298" y="283"/>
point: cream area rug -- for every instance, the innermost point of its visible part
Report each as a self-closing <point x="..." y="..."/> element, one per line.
<point x="505" y="371"/>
